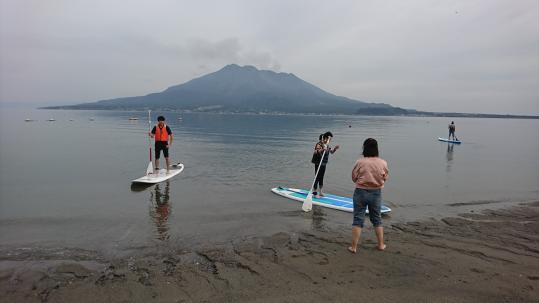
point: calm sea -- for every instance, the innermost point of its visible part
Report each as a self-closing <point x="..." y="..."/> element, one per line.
<point x="67" y="183"/>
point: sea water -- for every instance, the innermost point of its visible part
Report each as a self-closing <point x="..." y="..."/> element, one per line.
<point x="67" y="183"/>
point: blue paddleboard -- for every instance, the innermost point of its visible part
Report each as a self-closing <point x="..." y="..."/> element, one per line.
<point x="328" y="200"/>
<point x="449" y="141"/>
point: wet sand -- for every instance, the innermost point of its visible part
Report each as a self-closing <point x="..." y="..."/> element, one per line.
<point x="488" y="257"/>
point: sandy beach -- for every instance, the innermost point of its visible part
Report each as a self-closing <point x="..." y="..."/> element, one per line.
<point x="488" y="257"/>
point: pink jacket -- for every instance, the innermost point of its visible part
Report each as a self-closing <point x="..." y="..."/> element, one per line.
<point x="370" y="173"/>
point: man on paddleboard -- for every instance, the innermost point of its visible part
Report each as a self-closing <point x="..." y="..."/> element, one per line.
<point x="163" y="139"/>
<point x="452" y="131"/>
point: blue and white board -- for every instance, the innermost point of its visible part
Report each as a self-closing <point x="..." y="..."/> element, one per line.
<point x="449" y="141"/>
<point x="328" y="200"/>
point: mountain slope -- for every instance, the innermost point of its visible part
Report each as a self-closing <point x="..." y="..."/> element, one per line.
<point x="240" y="89"/>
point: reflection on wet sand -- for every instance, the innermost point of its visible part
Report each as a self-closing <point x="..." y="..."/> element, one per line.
<point x="160" y="210"/>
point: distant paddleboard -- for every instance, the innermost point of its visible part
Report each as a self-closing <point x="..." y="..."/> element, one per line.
<point x="450" y="141"/>
<point x="328" y="200"/>
<point x="160" y="175"/>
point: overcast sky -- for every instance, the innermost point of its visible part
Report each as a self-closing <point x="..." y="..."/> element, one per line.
<point x="463" y="56"/>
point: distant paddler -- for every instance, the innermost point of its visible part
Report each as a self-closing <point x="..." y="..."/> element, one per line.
<point x="451" y="128"/>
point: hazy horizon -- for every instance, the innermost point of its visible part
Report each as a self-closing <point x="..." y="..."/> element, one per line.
<point x="458" y="56"/>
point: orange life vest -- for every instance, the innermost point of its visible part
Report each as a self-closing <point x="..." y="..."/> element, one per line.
<point x="161" y="134"/>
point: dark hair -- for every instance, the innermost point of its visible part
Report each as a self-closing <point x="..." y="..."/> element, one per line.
<point x="370" y="148"/>
<point x="327" y="135"/>
<point x="160" y="118"/>
<point x="320" y="137"/>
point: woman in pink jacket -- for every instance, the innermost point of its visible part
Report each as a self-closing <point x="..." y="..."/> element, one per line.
<point x="369" y="174"/>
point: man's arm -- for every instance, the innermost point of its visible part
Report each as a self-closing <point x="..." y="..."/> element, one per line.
<point x="171" y="137"/>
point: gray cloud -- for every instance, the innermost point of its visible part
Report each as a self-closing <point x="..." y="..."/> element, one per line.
<point x="228" y="51"/>
<point x="462" y="55"/>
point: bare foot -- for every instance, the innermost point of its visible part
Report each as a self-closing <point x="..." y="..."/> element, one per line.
<point x="381" y="248"/>
<point x="350" y="249"/>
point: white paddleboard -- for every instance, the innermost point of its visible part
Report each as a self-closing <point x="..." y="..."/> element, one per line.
<point x="449" y="141"/>
<point x="328" y="200"/>
<point x="160" y="175"/>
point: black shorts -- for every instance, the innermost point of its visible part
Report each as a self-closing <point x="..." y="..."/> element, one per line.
<point x="161" y="146"/>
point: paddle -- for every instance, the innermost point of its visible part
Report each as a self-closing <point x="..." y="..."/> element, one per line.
<point x="308" y="202"/>
<point x="149" y="170"/>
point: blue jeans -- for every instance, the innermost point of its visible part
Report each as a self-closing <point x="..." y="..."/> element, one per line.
<point x="364" y="198"/>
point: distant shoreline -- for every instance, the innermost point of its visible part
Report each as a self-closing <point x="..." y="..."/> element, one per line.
<point x="246" y="89"/>
<point x="369" y="114"/>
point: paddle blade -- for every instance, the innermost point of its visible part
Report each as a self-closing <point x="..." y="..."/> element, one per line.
<point x="308" y="203"/>
<point x="149" y="170"/>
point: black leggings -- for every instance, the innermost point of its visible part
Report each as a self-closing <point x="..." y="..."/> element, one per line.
<point x="319" y="182"/>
